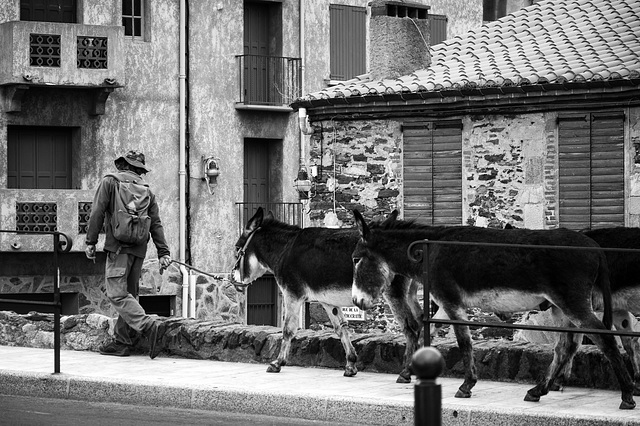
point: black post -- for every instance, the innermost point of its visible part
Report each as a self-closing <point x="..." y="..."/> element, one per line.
<point x="57" y="305"/>
<point x="427" y="363"/>
<point x="426" y="316"/>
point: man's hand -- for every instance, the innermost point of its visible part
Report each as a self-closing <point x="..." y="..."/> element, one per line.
<point x="165" y="261"/>
<point x="90" y="252"/>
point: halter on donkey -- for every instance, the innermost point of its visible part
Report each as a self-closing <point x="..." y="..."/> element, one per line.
<point x="497" y="279"/>
<point x="310" y="264"/>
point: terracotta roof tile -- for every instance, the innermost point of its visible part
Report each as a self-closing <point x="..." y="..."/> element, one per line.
<point x="550" y="42"/>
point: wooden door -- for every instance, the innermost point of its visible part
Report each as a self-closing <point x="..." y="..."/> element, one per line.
<point x="256" y="44"/>
<point x="262" y="295"/>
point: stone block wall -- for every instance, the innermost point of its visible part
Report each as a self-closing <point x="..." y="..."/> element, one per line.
<point x="496" y="359"/>
<point x="359" y="166"/>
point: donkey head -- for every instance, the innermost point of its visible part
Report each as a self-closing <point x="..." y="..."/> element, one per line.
<point x="248" y="267"/>
<point x="370" y="272"/>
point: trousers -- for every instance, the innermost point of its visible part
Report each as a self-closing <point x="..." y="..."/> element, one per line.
<point x="122" y="282"/>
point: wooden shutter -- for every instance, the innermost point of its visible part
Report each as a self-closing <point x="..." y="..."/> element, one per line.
<point x="39" y="158"/>
<point x="437" y="29"/>
<point x="48" y="10"/>
<point x="347" y="34"/>
<point x="591" y="170"/>
<point x="433" y="172"/>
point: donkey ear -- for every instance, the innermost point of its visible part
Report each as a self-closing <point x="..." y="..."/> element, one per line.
<point x="269" y="215"/>
<point x="389" y="220"/>
<point x="362" y="225"/>
<point x="255" y="221"/>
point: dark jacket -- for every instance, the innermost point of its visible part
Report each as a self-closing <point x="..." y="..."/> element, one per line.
<point x="102" y="209"/>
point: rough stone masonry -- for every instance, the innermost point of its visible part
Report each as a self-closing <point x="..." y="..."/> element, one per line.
<point x="496" y="359"/>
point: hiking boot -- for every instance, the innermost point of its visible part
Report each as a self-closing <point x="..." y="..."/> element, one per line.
<point x="155" y="339"/>
<point x="114" y="348"/>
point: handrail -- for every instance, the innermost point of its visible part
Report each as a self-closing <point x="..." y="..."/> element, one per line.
<point x="62" y="247"/>
<point x="416" y="255"/>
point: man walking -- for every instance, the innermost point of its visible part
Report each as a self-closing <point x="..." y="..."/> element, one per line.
<point x="124" y="259"/>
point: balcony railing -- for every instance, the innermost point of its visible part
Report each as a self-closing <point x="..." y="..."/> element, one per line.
<point x="268" y="81"/>
<point x="290" y="213"/>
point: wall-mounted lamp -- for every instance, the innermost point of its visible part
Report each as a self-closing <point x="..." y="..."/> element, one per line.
<point x="302" y="184"/>
<point x="211" y="171"/>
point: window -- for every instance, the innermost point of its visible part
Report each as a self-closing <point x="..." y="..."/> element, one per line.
<point x="591" y="170"/>
<point x="48" y="10"/>
<point x="492" y="10"/>
<point x="39" y="157"/>
<point x="433" y="172"/>
<point x="347" y="41"/>
<point x="133" y="18"/>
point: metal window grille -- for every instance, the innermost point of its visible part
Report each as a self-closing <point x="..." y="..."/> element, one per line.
<point x="44" y="50"/>
<point x="92" y="52"/>
<point x="41" y="217"/>
<point x="133" y="18"/>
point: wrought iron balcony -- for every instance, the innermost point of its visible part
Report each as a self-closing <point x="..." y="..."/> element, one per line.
<point x="268" y="82"/>
<point x="290" y="213"/>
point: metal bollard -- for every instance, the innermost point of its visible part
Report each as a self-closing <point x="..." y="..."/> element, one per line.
<point x="427" y="364"/>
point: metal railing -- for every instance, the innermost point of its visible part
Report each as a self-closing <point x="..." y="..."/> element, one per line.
<point x="429" y="364"/>
<point x="269" y="80"/>
<point x="58" y="246"/>
<point x="417" y="255"/>
<point x="290" y="213"/>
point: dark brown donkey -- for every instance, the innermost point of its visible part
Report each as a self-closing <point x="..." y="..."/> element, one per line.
<point x="496" y="279"/>
<point x="313" y="264"/>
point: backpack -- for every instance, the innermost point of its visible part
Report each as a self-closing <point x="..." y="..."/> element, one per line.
<point x="130" y="221"/>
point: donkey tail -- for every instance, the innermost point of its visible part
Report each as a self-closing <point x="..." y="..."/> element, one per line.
<point x="605" y="287"/>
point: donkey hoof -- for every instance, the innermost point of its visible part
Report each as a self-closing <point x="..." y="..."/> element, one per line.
<point x="463" y="394"/>
<point x="627" y="405"/>
<point x="273" y="369"/>
<point x="350" y="372"/>
<point x="402" y="379"/>
<point x="531" y="398"/>
<point x="555" y="387"/>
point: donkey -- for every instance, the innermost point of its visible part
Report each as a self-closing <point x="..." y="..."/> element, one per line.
<point x="624" y="276"/>
<point x="314" y="264"/>
<point x="498" y="279"/>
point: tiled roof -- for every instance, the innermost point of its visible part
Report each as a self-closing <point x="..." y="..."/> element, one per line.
<point x="571" y="42"/>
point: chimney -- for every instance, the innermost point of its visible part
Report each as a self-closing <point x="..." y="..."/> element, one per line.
<point x="398" y="38"/>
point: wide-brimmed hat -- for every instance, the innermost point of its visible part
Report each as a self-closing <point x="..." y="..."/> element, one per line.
<point x="134" y="158"/>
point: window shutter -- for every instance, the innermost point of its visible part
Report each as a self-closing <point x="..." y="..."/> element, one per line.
<point x="347" y="35"/>
<point x="607" y="165"/>
<point x="591" y="170"/>
<point x="433" y="172"/>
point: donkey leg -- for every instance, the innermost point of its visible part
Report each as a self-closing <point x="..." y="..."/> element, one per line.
<point x="463" y="336"/>
<point x="564" y="373"/>
<point x="402" y="298"/>
<point x="292" y="307"/>
<point x="624" y="321"/>
<point x="341" y="327"/>
<point x="564" y="351"/>
<point x="609" y="347"/>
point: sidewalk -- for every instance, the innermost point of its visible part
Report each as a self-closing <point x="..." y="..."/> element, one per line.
<point x="298" y="392"/>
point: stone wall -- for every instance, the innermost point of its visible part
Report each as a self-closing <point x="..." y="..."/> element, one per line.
<point x="496" y="359"/>
<point x="359" y="166"/>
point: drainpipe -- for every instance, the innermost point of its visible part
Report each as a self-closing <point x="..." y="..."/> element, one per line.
<point x="183" y="173"/>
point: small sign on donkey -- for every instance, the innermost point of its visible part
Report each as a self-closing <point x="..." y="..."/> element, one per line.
<point x="353" y="313"/>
